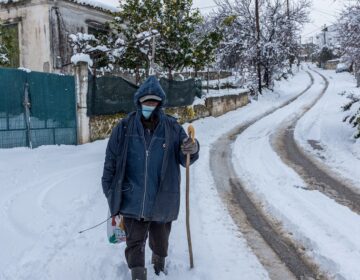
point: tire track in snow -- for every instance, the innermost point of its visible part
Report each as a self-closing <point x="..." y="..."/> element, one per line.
<point x="278" y="254"/>
<point x="315" y="174"/>
<point x="35" y="261"/>
<point x="36" y="189"/>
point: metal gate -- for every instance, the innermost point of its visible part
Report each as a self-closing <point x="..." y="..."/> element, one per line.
<point x="36" y="109"/>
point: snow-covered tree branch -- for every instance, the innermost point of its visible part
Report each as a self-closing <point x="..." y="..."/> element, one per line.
<point x="349" y="28"/>
<point x="279" y="36"/>
<point x="174" y="30"/>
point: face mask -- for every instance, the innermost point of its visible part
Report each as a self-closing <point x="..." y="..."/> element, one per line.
<point x="147" y="110"/>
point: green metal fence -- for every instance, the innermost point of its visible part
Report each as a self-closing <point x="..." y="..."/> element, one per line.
<point x="36" y="109"/>
<point x="110" y="95"/>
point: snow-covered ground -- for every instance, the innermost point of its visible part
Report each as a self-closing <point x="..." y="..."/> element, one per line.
<point x="330" y="232"/>
<point x="334" y="139"/>
<point x="50" y="193"/>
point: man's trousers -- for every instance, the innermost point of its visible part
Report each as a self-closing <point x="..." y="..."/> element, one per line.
<point x="136" y="235"/>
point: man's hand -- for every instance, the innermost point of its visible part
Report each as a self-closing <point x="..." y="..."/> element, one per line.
<point x="189" y="146"/>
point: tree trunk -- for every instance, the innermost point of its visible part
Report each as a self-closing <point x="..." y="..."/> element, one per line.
<point x="137" y="75"/>
<point x="267" y="77"/>
<point x="170" y="76"/>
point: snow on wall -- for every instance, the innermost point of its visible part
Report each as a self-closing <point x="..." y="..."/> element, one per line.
<point x="81" y="57"/>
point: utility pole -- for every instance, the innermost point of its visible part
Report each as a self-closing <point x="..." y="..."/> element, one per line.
<point x="289" y="29"/>
<point x="153" y="49"/>
<point x="152" y="62"/>
<point x="288" y="8"/>
<point x="258" y="43"/>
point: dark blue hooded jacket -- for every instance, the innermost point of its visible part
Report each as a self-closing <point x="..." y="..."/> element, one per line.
<point x="141" y="177"/>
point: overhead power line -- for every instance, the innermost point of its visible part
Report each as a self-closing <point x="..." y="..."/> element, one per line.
<point x="207" y="7"/>
<point x="325" y="12"/>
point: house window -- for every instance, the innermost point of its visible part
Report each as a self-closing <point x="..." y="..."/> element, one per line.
<point x="100" y="31"/>
<point x="96" y="28"/>
<point x="9" y="37"/>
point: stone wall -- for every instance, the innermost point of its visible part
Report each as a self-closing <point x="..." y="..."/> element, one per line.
<point x="213" y="75"/>
<point x="101" y="126"/>
<point x="222" y="104"/>
<point x="331" y="64"/>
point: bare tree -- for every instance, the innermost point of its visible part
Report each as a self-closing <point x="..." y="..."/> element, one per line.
<point x="349" y="28"/>
<point x="279" y="36"/>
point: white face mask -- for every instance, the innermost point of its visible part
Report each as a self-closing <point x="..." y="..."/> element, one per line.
<point x="147" y="110"/>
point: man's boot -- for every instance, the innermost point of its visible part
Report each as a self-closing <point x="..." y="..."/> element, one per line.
<point x="159" y="264"/>
<point x="138" y="273"/>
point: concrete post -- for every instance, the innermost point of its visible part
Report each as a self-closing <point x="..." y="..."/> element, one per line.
<point x="81" y="86"/>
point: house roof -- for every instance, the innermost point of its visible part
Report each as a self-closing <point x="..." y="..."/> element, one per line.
<point x="97" y="4"/>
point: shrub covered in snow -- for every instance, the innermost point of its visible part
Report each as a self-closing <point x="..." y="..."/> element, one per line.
<point x="353" y="109"/>
<point x="87" y="47"/>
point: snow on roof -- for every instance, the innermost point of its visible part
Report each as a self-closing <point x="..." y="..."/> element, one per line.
<point x="8" y="1"/>
<point x="95" y="4"/>
<point x="91" y="3"/>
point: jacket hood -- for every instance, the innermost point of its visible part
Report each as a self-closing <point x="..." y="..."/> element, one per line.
<point x="150" y="87"/>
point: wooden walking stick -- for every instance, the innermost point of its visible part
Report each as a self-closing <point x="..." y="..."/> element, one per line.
<point x="191" y="133"/>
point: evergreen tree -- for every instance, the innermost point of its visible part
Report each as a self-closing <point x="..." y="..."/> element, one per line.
<point x="181" y="38"/>
<point x="178" y="21"/>
<point x="205" y="41"/>
<point x="131" y="33"/>
<point x="325" y="54"/>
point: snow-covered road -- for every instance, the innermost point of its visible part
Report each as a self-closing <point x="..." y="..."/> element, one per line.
<point x="329" y="232"/>
<point x="50" y="193"/>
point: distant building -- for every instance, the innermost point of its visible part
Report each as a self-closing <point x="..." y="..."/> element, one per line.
<point x="329" y="37"/>
<point x="39" y="30"/>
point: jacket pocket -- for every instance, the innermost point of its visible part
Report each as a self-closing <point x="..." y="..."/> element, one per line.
<point x="126" y="187"/>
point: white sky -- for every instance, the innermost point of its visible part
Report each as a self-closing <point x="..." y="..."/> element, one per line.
<point x="322" y="12"/>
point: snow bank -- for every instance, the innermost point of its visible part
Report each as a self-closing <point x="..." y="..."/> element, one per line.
<point x="323" y="125"/>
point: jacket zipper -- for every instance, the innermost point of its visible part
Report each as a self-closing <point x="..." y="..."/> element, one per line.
<point x="145" y="184"/>
<point x="147" y="152"/>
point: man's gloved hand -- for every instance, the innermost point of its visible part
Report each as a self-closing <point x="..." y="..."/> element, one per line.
<point x="189" y="147"/>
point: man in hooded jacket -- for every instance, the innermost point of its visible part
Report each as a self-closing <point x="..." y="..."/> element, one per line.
<point x="141" y="177"/>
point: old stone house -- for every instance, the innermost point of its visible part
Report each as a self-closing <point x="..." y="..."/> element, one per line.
<point x="38" y="30"/>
